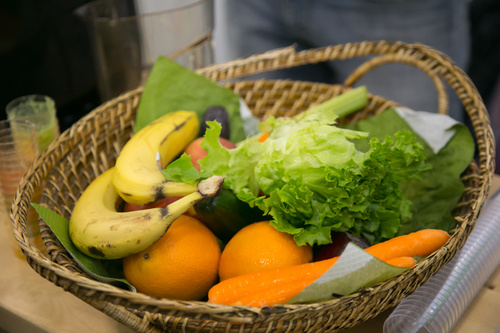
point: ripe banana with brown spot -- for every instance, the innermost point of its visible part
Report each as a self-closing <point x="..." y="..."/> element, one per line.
<point x="137" y="177"/>
<point x="100" y="231"/>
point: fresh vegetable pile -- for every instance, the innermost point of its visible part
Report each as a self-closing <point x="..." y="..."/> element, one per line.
<point x="310" y="177"/>
<point x="369" y="199"/>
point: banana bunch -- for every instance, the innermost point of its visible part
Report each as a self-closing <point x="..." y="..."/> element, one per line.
<point x="137" y="178"/>
<point x="100" y="231"/>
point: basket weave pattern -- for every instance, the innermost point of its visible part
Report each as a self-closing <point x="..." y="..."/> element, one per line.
<point x="92" y="145"/>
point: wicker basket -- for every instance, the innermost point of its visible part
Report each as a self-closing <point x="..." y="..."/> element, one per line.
<point x="92" y="144"/>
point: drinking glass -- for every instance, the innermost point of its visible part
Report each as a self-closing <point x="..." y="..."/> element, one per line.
<point x="127" y="36"/>
<point x="18" y="149"/>
<point x="40" y="110"/>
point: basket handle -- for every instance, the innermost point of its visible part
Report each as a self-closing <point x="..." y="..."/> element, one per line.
<point x="367" y="66"/>
<point x="287" y="57"/>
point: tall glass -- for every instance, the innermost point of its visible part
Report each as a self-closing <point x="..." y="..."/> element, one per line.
<point x="127" y="36"/>
<point x="40" y="110"/>
<point x="18" y="149"/>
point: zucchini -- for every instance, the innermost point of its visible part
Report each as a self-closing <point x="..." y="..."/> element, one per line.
<point x="225" y="214"/>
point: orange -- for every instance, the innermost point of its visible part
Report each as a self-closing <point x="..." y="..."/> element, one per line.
<point x="260" y="246"/>
<point x="181" y="265"/>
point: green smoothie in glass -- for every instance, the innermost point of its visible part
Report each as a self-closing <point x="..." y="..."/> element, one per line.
<point x="39" y="109"/>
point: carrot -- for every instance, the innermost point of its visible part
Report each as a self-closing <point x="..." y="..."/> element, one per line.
<point x="282" y="294"/>
<point x="273" y="296"/>
<point x="263" y="137"/>
<point x="420" y="243"/>
<point x="405" y="262"/>
<point x="232" y="289"/>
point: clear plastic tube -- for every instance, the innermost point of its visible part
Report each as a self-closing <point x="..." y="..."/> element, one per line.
<point x="436" y="306"/>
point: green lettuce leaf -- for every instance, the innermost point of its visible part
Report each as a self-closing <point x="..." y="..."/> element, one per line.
<point x="182" y="168"/>
<point x="435" y="194"/>
<point x="334" y="187"/>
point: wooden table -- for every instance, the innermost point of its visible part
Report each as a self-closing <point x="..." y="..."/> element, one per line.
<point x="30" y="303"/>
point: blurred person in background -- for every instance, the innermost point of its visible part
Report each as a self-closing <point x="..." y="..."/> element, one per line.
<point x="45" y="48"/>
<point x="257" y="26"/>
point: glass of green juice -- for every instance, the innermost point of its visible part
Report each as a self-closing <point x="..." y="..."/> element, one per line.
<point x="39" y="109"/>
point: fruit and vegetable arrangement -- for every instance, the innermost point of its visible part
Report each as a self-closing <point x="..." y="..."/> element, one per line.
<point x="197" y="208"/>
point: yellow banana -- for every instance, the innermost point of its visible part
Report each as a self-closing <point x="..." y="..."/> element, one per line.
<point x="137" y="178"/>
<point x="100" y="231"/>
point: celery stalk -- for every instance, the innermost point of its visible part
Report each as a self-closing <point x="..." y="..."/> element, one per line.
<point x="343" y="104"/>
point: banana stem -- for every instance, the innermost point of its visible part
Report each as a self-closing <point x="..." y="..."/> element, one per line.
<point x="211" y="187"/>
<point x="179" y="207"/>
<point x="173" y="189"/>
<point x="205" y="189"/>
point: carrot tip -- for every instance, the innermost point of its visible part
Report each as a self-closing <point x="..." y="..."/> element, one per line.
<point x="263" y="137"/>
